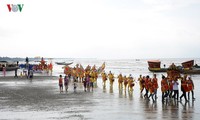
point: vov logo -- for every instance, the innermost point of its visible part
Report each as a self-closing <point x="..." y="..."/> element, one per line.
<point x="15" y="7"/>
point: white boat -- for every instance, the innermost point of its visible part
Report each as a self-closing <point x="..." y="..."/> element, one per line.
<point x="63" y="63"/>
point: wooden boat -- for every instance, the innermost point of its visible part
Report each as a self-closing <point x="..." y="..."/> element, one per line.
<point x="63" y="63"/>
<point x="192" y="71"/>
<point x="187" y="67"/>
<point x="188" y="64"/>
<point x="154" y="66"/>
<point x="8" y="66"/>
<point x="190" y="68"/>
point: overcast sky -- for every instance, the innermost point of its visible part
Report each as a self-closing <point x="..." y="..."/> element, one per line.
<point x="101" y="29"/>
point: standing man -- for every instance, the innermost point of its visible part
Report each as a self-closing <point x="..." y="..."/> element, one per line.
<point x="190" y="88"/>
<point x="66" y="81"/>
<point x="120" y="81"/>
<point x="16" y="70"/>
<point x="164" y="87"/>
<point x="60" y="83"/>
<point x="175" y="89"/>
<point x="147" y="86"/>
<point x="4" y="70"/>
<point x="16" y="73"/>
<point x="155" y="85"/>
<point x="111" y="78"/>
<point x="27" y="63"/>
<point x="184" y="88"/>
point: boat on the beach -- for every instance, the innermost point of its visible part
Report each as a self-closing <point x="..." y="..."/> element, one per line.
<point x="154" y="66"/>
<point x="63" y="63"/>
<point x="192" y="71"/>
<point x="188" y="67"/>
<point x="9" y="66"/>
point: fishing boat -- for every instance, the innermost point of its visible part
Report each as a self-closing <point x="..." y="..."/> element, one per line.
<point x="63" y="63"/>
<point x="190" y="68"/>
<point x="154" y="66"/>
<point x="187" y="67"/>
<point x="9" y="66"/>
<point x="188" y="64"/>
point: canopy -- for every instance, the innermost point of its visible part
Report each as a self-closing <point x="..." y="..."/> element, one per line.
<point x="154" y="64"/>
<point x="188" y="64"/>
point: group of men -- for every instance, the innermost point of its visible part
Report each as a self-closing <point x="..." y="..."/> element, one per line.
<point x="169" y="87"/>
<point x="122" y="81"/>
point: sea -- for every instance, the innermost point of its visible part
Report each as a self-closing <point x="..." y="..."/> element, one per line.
<point x="113" y="104"/>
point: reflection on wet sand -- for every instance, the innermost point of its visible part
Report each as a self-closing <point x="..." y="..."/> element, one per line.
<point x="120" y="93"/>
<point x="130" y="95"/>
<point x="150" y="110"/>
<point x="104" y="89"/>
<point x="177" y="109"/>
<point x="124" y="94"/>
<point x="169" y="109"/>
<point x="187" y="109"/>
<point x="111" y="89"/>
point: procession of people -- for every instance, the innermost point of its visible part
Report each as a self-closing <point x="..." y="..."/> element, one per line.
<point x="169" y="85"/>
<point x="172" y="86"/>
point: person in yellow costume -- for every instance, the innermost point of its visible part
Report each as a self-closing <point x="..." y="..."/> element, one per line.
<point x="74" y="73"/>
<point x="141" y="82"/>
<point x="92" y="79"/>
<point x="120" y="81"/>
<point x="95" y="78"/>
<point x="87" y="72"/>
<point x="81" y="76"/>
<point x="104" y="78"/>
<point x="125" y="82"/>
<point x="111" y="78"/>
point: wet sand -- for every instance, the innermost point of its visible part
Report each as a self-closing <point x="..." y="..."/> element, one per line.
<point x="40" y="99"/>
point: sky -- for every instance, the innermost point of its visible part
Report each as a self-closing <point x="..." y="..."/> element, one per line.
<point x="119" y="29"/>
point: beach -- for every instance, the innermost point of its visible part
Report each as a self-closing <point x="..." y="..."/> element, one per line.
<point x="40" y="98"/>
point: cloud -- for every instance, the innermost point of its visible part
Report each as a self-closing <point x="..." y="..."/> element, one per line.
<point x="91" y="28"/>
<point x="163" y="5"/>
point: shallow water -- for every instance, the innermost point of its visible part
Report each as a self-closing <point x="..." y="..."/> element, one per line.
<point x="40" y="99"/>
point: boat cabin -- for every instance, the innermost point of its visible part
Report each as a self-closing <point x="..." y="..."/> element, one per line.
<point x="154" y="64"/>
<point x="188" y="64"/>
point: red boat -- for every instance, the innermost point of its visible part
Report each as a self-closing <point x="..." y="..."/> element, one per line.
<point x="188" y="64"/>
<point x="189" y="68"/>
<point x="154" y="66"/>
